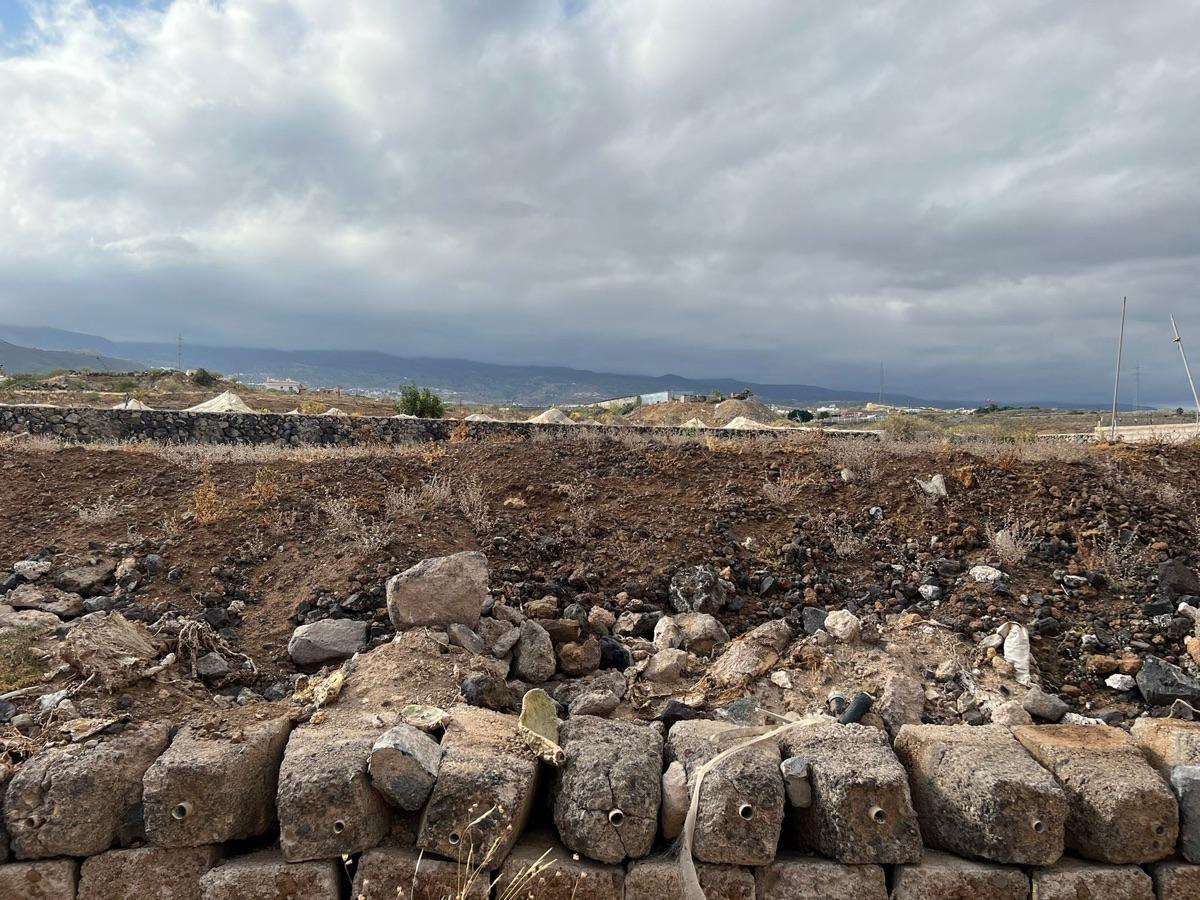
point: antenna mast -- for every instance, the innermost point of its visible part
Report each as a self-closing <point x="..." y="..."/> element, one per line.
<point x="1186" y="368"/>
<point x="1117" y="384"/>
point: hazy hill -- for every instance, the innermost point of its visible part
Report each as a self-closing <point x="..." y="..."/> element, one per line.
<point x="460" y="379"/>
<point x="14" y="358"/>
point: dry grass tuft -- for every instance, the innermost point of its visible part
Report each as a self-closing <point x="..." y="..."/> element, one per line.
<point x="206" y="504"/>
<point x="1010" y="541"/>
<point x="99" y="511"/>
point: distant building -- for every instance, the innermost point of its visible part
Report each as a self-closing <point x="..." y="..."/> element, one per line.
<point x="649" y="399"/>
<point x="287" y="385"/>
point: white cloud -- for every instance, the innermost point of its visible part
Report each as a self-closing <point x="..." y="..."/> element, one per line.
<point x="773" y="189"/>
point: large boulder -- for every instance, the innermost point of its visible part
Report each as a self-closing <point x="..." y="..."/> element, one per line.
<point x="533" y="658"/>
<point x="439" y="591"/>
<point x="45" y="599"/>
<point x="328" y="640"/>
<point x="1176" y="580"/>
<point x="1162" y="683"/>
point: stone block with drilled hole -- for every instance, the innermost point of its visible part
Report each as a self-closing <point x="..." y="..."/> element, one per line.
<point x="1175" y="880"/>
<point x="659" y="878"/>
<point x="147" y="873"/>
<point x="794" y="877"/>
<point x="1172" y="746"/>
<point x="325" y="801"/>
<point x="1120" y="809"/>
<point x="404" y="766"/>
<point x="540" y="867"/>
<point x="979" y="794"/>
<point x="485" y="788"/>
<point x="47" y="879"/>
<point x="388" y="873"/>
<point x="181" y="807"/>
<point x="740" y="812"/>
<point x="1071" y="879"/>
<point x="72" y="801"/>
<point x="861" y="810"/>
<point x="607" y="794"/>
<point x="940" y="876"/>
<point x="268" y="876"/>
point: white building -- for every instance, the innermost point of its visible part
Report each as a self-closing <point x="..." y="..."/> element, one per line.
<point x="287" y="385"/>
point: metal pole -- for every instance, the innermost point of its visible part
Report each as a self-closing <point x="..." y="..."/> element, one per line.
<point x="1186" y="368"/>
<point x="1117" y="383"/>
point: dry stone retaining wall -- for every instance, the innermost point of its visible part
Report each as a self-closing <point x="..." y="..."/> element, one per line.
<point x="855" y="832"/>
<point x="88" y="425"/>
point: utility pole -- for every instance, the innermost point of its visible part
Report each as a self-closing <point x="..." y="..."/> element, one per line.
<point x="1117" y="384"/>
<point x="1137" y="393"/>
<point x="179" y="354"/>
<point x="1186" y="368"/>
<point x="881" y="384"/>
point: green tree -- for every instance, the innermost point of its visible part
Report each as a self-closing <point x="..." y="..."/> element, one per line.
<point x="203" y="377"/>
<point x="420" y="402"/>
<point x="800" y="415"/>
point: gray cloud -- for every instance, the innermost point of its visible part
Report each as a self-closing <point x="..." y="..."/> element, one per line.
<point x="768" y="189"/>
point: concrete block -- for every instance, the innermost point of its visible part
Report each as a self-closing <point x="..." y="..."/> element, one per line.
<point x="51" y="879"/>
<point x="940" y="876"/>
<point x="71" y="801"/>
<point x="541" y="867"/>
<point x="326" y="804"/>
<point x="404" y="765"/>
<point x="1175" y="881"/>
<point x="388" y="873"/>
<point x="980" y="795"/>
<point x="606" y="796"/>
<point x="268" y="876"/>
<point x="485" y="788"/>
<point x="659" y="878"/>
<point x="1072" y="879"/>
<point x="215" y="786"/>
<point x="1172" y="747"/>
<point x="740" y="812"/>
<point x="792" y="877"/>
<point x="148" y="873"/>
<point x="861" y="810"/>
<point x="1120" y="810"/>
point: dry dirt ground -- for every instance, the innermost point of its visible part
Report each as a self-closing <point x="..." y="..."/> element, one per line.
<point x="256" y="540"/>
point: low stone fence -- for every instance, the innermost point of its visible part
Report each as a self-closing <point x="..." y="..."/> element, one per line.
<point x="458" y="804"/>
<point x="87" y="425"/>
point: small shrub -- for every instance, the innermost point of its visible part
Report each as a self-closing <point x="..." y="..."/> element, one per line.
<point x="420" y="402"/>
<point x="203" y="378"/>
<point x="98" y="512"/>
<point x="473" y="504"/>
<point x="581" y="510"/>
<point x="786" y="490"/>
<point x="1012" y="541"/>
<point x="206" y="504"/>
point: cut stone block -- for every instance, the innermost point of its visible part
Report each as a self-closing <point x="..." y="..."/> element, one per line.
<point x="71" y="801"/>
<point x="659" y="878"/>
<point x="1175" y="881"/>
<point x="326" y="804"/>
<point x="606" y="797"/>
<point x="1172" y="746"/>
<point x="404" y="765"/>
<point x="485" y="788"/>
<point x="560" y="875"/>
<point x="940" y="876"/>
<point x="1071" y="879"/>
<point x="980" y="795"/>
<point x="1120" y="810"/>
<point x="211" y="788"/>
<point x="740" y="812"/>
<point x="861" y="810"/>
<point x="792" y="877"/>
<point x="388" y="873"/>
<point x="268" y="876"/>
<point x="148" y="873"/>
<point x="51" y="879"/>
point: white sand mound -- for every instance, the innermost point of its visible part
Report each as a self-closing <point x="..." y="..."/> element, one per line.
<point x="403" y="416"/>
<point x="589" y="422"/>
<point x="227" y="402"/>
<point x="741" y="423"/>
<point x="693" y="423"/>
<point x="552" y="416"/>
<point x="333" y="411"/>
<point x="294" y="412"/>
<point x="479" y="417"/>
<point x="132" y="403"/>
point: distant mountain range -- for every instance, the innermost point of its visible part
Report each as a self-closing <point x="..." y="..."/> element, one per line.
<point x="14" y="358"/>
<point x="456" y="379"/>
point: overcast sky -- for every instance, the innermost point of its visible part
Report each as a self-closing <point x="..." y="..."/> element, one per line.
<point x="768" y="189"/>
